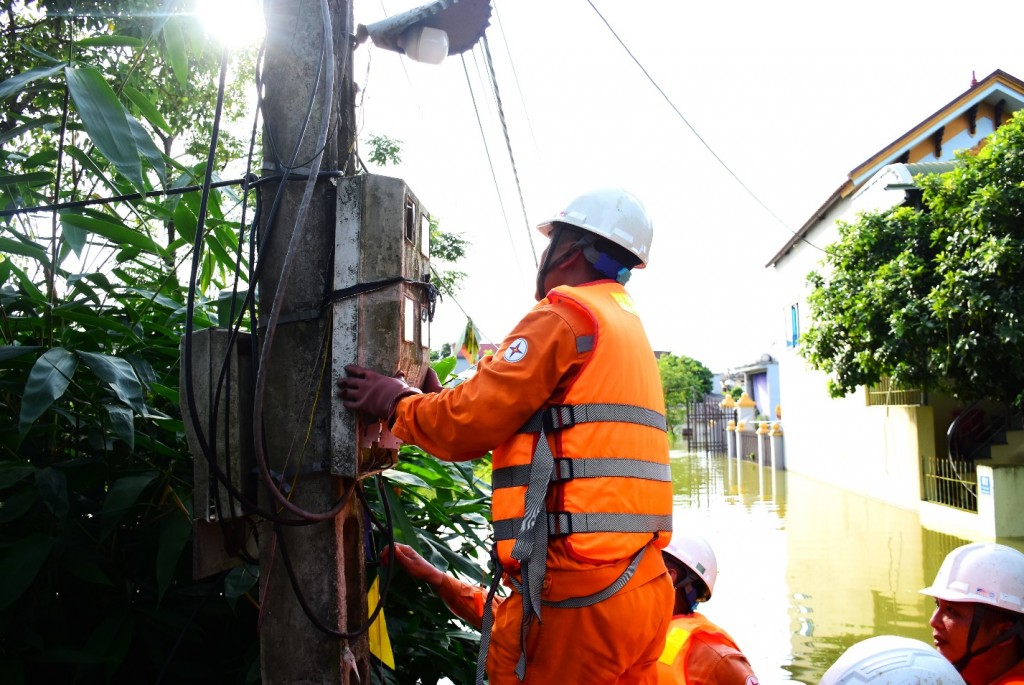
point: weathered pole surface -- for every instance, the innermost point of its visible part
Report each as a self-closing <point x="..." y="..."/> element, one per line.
<point x="294" y="405"/>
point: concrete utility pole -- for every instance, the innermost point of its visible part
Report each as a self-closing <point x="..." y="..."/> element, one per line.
<point x="298" y="383"/>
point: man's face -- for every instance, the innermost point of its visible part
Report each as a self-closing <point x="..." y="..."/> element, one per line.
<point x="951" y="625"/>
<point x="562" y="248"/>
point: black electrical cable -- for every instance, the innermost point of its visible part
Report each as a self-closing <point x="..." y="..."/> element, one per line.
<point x="204" y="444"/>
<point x="301" y="597"/>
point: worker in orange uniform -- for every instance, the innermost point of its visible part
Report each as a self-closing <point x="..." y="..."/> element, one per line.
<point x="978" y="623"/>
<point x="572" y="406"/>
<point x="697" y="652"/>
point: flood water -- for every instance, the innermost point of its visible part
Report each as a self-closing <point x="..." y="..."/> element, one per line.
<point x="806" y="569"/>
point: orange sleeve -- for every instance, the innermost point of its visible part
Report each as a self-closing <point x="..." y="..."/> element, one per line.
<point x="465" y="601"/>
<point x="534" y="364"/>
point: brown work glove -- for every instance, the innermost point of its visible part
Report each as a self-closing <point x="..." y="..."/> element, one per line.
<point x="373" y="394"/>
<point x="431" y="383"/>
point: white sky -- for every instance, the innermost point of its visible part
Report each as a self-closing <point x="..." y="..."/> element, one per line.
<point x="791" y="95"/>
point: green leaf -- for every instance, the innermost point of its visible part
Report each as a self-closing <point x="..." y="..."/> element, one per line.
<point x="30" y="124"/>
<point x="404" y="478"/>
<point x="85" y="569"/>
<point x="175" y="531"/>
<point x="106" y="121"/>
<point x="119" y="375"/>
<point x="9" y="246"/>
<point x="77" y="313"/>
<point x="240" y="580"/>
<point x="121" y="497"/>
<point x="110" y="41"/>
<point x="116" y="232"/>
<point x="404" y="530"/>
<point x="174" y="42"/>
<point x="168" y="393"/>
<point x="75" y="237"/>
<point x="89" y="163"/>
<point x="8" y="352"/>
<point x="185" y="221"/>
<point x="444" y="368"/>
<point x="12" y="472"/>
<point x="111" y="640"/>
<point x="40" y="54"/>
<point x="18" y="82"/>
<point x="122" y="423"/>
<point x="147" y="148"/>
<point x="47" y="381"/>
<point x="53" y="491"/>
<point x="148" y="109"/>
<point x="18" y="504"/>
<point x="32" y="178"/>
<point x="20" y="566"/>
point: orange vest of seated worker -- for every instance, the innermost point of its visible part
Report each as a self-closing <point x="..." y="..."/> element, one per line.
<point x="581" y="345"/>
<point x="697" y="652"/>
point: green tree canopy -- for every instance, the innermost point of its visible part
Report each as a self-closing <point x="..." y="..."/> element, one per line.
<point x="931" y="297"/>
<point x="683" y="380"/>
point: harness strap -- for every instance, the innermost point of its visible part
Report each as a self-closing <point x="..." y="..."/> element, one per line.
<point x="566" y="523"/>
<point x="561" y="416"/>
<point x="488" y="619"/>
<point x="600" y="595"/>
<point x="532" y="529"/>
<point x="531" y="546"/>
<point x="566" y="469"/>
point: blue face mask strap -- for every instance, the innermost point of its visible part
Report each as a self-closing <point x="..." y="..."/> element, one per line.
<point x="607" y="266"/>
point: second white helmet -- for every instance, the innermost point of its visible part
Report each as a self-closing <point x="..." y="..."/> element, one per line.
<point x="984" y="573"/>
<point x="610" y="213"/>
<point x="891" y="660"/>
<point x="696" y="554"/>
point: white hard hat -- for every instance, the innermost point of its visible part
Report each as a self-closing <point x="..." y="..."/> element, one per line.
<point x="891" y="660"/>
<point x="696" y="554"/>
<point x="610" y="213"/>
<point x="983" y="573"/>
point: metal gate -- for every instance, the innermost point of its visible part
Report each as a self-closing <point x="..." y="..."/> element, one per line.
<point x="705" y="425"/>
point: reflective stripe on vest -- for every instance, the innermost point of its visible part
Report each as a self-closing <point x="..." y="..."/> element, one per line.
<point x="678" y="641"/>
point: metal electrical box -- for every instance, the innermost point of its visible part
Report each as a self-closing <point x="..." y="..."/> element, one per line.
<point x="382" y="306"/>
<point x="222" y="392"/>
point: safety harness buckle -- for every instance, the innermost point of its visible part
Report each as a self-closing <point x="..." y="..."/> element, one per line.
<point x="558" y="417"/>
<point x="563" y="470"/>
<point x="559" y="523"/>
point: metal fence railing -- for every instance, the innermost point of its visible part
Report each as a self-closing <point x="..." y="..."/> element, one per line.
<point x="887" y="393"/>
<point x="950" y="482"/>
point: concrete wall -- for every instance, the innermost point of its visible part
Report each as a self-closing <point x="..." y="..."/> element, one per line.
<point x="874" y="451"/>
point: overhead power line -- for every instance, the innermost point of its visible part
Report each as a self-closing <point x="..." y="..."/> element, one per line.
<point x="694" y="131"/>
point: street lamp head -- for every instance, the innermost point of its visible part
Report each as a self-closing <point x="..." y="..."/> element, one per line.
<point x="431" y="32"/>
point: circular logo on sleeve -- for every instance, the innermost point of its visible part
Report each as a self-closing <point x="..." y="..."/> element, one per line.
<point x="516" y="351"/>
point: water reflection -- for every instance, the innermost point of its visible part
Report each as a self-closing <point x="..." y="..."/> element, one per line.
<point x="806" y="568"/>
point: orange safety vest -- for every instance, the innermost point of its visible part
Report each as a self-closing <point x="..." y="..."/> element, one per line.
<point x="672" y="662"/>
<point x="609" y="492"/>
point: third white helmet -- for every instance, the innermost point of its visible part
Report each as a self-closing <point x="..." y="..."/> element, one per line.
<point x="891" y="660"/>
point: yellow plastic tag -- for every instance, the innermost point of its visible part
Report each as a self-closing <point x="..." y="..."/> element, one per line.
<point x="380" y="643"/>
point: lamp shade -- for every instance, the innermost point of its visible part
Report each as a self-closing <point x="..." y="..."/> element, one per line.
<point x="464" y="22"/>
